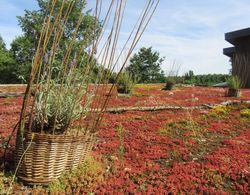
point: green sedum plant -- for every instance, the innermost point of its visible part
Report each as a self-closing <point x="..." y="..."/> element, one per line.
<point x="245" y="113"/>
<point x="220" y="111"/>
<point x="85" y="177"/>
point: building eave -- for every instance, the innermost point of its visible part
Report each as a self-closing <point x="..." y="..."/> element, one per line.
<point x="233" y="36"/>
<point x="229" y="51"/>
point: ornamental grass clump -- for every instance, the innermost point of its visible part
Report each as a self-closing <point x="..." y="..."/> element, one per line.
<point x="172" y="76"/>
<point x="125" y="84"/>
<point x="170" y="83"/>
<point x="234" y="85"/>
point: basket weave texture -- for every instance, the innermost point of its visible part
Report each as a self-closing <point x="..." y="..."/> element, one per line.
<point x="49" y="156"/>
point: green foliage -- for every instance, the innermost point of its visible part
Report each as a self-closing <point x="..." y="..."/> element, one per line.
<point x="214" y="177"/>
<point x="145" y="66"/>
<point x="23" y="50"/>
<point x="23" y="47"/>
<point x="8" y="67"/>
<point x="121" y="134"/>
<point x="32" y="21"/>
<point x="113" y="77"/>
<point x="234" y="82"/>
<point x="125" y="83"/>
<point x="59" y="105"/>
<point x="2" y="44"/>
<point x="189" y="75"/>
<point x="221" y="110"/>
<point x="107" y="75"/>
<point x="206" y="79"/>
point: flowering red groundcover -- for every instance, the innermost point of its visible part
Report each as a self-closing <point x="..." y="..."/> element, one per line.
<point x="159" y="152"/>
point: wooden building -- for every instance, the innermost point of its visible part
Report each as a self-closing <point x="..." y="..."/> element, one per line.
<point x="239" y="54"/>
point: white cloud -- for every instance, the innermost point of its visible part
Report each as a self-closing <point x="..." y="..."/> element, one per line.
<point x="9" y="9"/>
<point x="193" y="54"/>
<point x="192" y="32"/>
<point x="9" y="33"/>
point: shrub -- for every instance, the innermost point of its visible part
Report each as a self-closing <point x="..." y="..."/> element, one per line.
<point x="125" y="83"/>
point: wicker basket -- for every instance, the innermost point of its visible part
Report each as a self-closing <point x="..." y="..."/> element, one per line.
<point x="48" y="156"/>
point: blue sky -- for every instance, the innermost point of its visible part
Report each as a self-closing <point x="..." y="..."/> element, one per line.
<point x="189" y="32"/>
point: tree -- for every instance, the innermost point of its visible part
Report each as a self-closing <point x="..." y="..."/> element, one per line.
<point x="32" y="21"/>
<point x="23" y="48"/>
<point x="7" y="65"/>
<point x="2" y="44"/>
<point x="145" y="66"/>
<point x="189" y="75"/>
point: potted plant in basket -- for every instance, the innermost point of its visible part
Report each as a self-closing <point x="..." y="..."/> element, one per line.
<point x="172" y="76"/>
<point x="234" y="86"/>
<point x="52" y="137"/>
<point x="61" y="109"/>
<point x="170" y="83"/>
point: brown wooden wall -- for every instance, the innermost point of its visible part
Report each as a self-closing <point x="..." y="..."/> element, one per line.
<point x="241" y="61"/>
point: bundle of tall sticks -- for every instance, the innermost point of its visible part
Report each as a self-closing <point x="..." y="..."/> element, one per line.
<point x="58" y="96"/>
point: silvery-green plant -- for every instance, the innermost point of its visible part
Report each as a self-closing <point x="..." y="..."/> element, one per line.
<point x="60" y="103"/>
